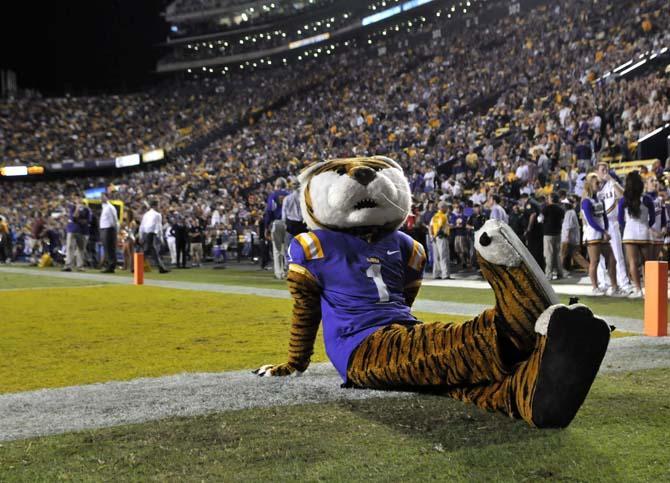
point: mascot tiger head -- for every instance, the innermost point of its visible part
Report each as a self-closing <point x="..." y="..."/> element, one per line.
<point x="355" y="193"/>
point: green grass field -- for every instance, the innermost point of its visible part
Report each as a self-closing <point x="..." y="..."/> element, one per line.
<point x="74" y="333"/>
<point x="119" y="332"/>
<point x="253" y="277"/>
<point x="619" y="435"/>
<point x="10" y="281"/>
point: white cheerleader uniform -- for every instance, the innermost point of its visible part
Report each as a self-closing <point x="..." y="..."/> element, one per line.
<point x="655" y="235"/>
<point x="636" y="229"/>
<point x="594" y="221"/>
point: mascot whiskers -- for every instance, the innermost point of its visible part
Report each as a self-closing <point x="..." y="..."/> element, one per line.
<point x="528" y="356"/>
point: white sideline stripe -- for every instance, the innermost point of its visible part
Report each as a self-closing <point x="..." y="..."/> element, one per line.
<point x="76" y="408"/>
<point x="434" y="306"/>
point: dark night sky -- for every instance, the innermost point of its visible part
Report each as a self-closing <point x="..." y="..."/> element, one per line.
<point x="83" y="47"/>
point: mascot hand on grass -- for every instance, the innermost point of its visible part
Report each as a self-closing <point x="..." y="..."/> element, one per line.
<point x="527" y="357"/>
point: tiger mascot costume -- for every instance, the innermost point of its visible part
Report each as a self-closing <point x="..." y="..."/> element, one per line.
<point x="528" y="357"/>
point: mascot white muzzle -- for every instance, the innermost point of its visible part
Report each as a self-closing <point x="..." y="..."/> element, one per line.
<point x="355" y="192"/>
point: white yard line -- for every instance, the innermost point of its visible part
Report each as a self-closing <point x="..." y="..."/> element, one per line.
<point x="55" y="411"/>
<point x="422" y="305"/>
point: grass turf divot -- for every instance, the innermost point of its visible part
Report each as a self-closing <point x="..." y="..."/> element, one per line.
<point x="617" y="436"/>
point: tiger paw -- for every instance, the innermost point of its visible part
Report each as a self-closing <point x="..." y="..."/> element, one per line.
<point x="277" y="370"/>
<point x="563" y="367"/>
<point x="521" y="290"/>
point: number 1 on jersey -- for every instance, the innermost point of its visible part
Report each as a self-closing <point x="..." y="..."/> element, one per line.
<point x="375" y="273"/>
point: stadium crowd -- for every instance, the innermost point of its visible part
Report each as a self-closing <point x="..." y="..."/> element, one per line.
<point x="36" y="130"/>
<point x="499" y="121"/>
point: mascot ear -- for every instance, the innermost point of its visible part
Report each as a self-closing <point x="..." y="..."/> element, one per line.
<point x="389" y="161"/>
<point x="306" y="173"/>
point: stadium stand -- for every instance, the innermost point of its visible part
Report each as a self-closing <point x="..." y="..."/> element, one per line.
<point x="521" y="104"/>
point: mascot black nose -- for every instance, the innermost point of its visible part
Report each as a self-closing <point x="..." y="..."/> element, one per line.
<point x="485" y="239"/>
<point x="363" y="175"/>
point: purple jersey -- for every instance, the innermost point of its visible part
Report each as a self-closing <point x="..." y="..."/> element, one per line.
<point x="273" y="207"/>
<point x="362" y="284"/>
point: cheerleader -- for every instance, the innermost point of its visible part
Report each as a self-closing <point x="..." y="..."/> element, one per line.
<point x="128" y="238"/>
<point x="658" y="230"/>
<point x="595" y="234"/>
<point x="636" y="214"/>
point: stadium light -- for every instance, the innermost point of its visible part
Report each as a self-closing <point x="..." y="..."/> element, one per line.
<point x="152" y="156"/>
<point x="127" y="161"/>
<point x="14" y="171"/>
<point x="35" y="170"/>
<point x="622" y="66"/>
<point x="308" y="40"/>
<point x="633" y="67"/>
<point x="652" y="134"/>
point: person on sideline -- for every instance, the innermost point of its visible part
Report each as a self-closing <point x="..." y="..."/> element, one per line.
<point x="596" y="236"/>
<point x="570" y="239"/>
<point x="551" y="228"/>
<point x="275" y="227"/>
<point x="636" y="214"/>
<point x="291" y="213"/>
<point x="610" y="193"/>
<point x="658" y="230"/>
<point x="497" y="211"/>
<point x="109" y="229"/>
<point x="151" y="232"/>
<point x="439" y="232"/>
<point x="77" y="233"/>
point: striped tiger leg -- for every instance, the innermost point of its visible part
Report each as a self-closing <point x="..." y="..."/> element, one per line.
<point x="425" y="355"/>
<point x="548" y="388"/>
<point x="520" y="299"/>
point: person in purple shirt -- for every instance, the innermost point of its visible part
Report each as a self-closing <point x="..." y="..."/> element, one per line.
<point x="658" y="229"/>
<point x="583" y="151"/>
<point x="78" y="227"/>
<point x="458" y="222"/>
<point x="275" y="226"/>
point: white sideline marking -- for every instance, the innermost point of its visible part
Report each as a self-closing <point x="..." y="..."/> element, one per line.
<point x="76" y="408"/>
<point x="423" y="305"/>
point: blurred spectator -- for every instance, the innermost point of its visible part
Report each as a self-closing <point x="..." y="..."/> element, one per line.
<point x="151" y="230"/>
<point x="439" y="230"/>
<point x="78" y="229"/>
<point x="109" y="228"/>
<point x="551" y="227"/>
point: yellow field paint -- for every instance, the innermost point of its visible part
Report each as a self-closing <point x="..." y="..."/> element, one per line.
<point x="62" y="337"/>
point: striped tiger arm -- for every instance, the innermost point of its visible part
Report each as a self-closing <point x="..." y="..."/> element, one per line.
<point x="306" y="295"/>
<point x="411" y="291"/>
